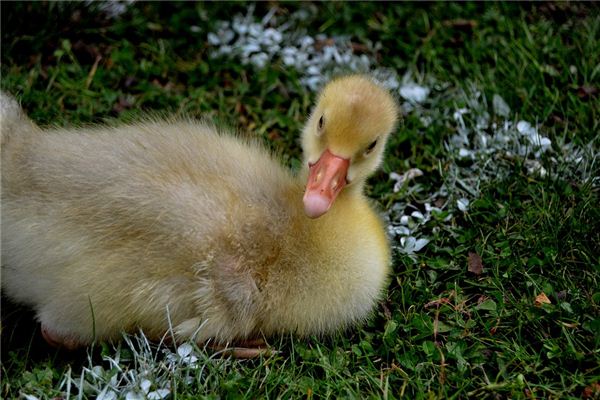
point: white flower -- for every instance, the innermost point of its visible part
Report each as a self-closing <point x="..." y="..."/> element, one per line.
<point x="417" y="215"/>
<point x="462" y="204"/>
<point x="271" y="35"/>
<point x="459" y="113"/>
<point x="107" y="394"/>
<point x="306" y="42"/>
<point x="313" y="70"/>
<point x="429" y="208"/>
<point x="259" y="59"/>
<point x="249" y="48"/>
<point x="413" y="92"/>
<point x="240" y="26"/>
<point x="465" y="153"/>
<point x="426" y="121"/>
<point x="185" y="350"/>
<point x="525" y="128"/>
<point x="145" y="385"/>
<point x="131" y="395"/>
<point x="225" y="49"/>
<point x="411" y="245"/>
<point x="500" y="106"/>
<point x="405" y="177"/>
<point x="255" y="30"/>
<point x="312" y="82"/>
<point x="399" y="231"/>
<point x="213" y="39"/>
<point x="158" y="394"/>
<point x="535" y="167"/>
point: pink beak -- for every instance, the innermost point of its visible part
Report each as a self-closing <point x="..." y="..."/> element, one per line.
<point x="326" y="178"/>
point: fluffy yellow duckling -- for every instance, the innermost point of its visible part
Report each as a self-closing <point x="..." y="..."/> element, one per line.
<point x="174" y="225"/>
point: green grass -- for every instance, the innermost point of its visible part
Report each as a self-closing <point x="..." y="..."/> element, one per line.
<point x="441" y="332"/>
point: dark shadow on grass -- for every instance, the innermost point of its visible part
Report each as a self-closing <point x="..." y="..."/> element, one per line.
<point x="23" y="346"/>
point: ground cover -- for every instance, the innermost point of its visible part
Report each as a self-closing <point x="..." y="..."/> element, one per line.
<point x="490" y="186"/>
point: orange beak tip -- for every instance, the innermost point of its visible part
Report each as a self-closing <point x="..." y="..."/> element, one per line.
<point x="326" y="179"/>
<point x="316" y="205"/>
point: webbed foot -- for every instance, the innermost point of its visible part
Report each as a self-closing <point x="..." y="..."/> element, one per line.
<point x="56" y="340"/>
<point x="246" y="349"/>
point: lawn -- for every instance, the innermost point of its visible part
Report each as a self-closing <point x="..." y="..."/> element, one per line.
<point x="490" y="187"/>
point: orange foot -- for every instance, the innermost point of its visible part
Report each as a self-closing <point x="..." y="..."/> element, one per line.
<point x="56" y="340"/>
<point x="246" y="349"/>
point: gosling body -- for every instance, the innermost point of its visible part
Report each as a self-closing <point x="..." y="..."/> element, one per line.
<point x="174" y="226"/>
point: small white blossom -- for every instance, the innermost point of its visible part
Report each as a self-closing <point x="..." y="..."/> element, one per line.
<point x="306" y="42"/>
<point x="185" y="350"/>
<point x="145" y="385"/>
<point x="213" y="39"/>
<point x="272" y="35"/>
<point x="224" y="50"/>
<point x="465" y="153"/>
<point x="410" y="245"/>
<point x="405" y="177"/>
<point x="107" y="394"/>
<point x="463" y="204"/>
<point x="535" y="167"/>
<point x="158" y="394"/>
<point x="132" y="395"/>
<point x="417" y="215"/>
<point x="259" y="59"/>
<point x="255" y="30"/>
<point x="500" y="107"/>
<point x="399" y="231"/>
<point x="429" y="208"/>
<point x="413" y="92"/>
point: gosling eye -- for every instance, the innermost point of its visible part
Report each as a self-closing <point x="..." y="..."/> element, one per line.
<point x="321" y="122"/>
<point x="370" y="147"/>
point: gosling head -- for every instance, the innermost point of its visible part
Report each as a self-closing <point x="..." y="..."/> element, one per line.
<point x="344" y="138"/>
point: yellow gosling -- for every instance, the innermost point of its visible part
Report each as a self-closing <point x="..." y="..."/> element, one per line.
<point x="175" y="224"/>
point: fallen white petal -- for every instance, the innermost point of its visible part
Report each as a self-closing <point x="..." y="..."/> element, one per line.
<point x="306" y="41"/>
<point x="313" y="70"/>
<point x="408" y="243"/>
<point x="259" y="59"/>
<point x="525" y="128"/>
<point x="465" y="153"/>
<point x="158" y="394"/>
<point x="413" y="92"/>
<point x="134" y="396"/>
<point x="106" y="394"/>
<point x="145" y="385"/>
<point x="395" y="176"/>
<point x="408" y="175"/>
<point x="500" y="106"/>
<point x="417" y="215"/>
<point x="463" y="204"/>
<point x="420" y="243"/>
<point x="545" y="143"/>
<point x="213" y="39"/>
<point x="184" y="350"/>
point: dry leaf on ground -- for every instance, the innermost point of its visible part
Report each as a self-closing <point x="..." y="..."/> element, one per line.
<point x="475" y="264"/>
<point x="542" y="299"/>
<point x="591" y="391"/>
